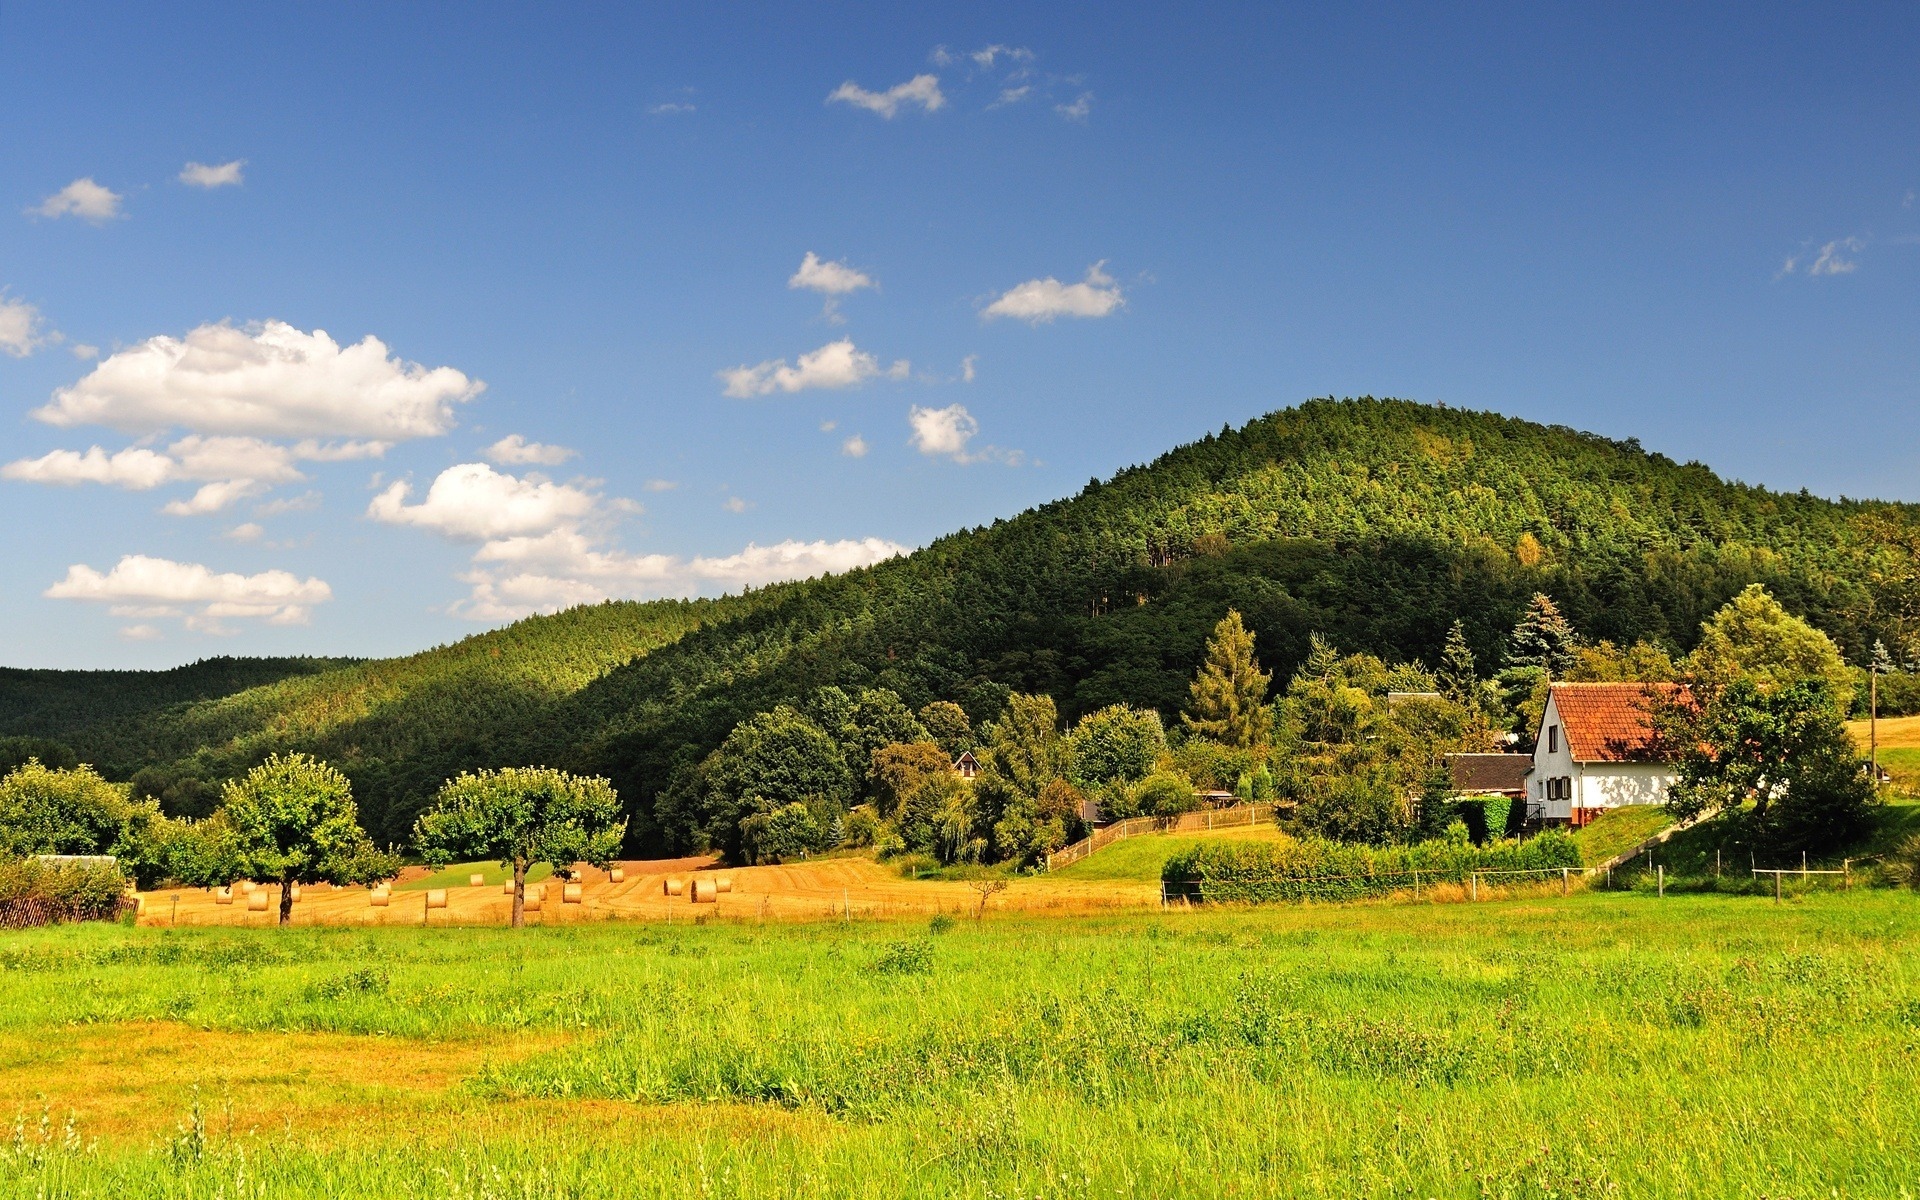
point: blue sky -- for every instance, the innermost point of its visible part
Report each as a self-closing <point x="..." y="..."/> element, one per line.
<point x="1114" y="232"/>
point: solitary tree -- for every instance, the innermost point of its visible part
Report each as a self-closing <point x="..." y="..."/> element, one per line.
<point x="292" y="820"/>
<point x="1752" y="637"/>
<point x="521" y="816"/>
<point x="1226" y="695"/>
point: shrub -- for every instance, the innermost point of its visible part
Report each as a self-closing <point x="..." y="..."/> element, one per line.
<point x="941" y="923"/>
<point x="1316" y="869"/>
<point x="1163" y="794"/>
<point x="905" y="958"/>
<point x="33" y="892"/>
<point x="1903" y="865"/>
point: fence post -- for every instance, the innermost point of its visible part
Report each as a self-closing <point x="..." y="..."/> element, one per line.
<point x="1716" y="863"/>
<point x="1474" y="879"/>
<point x="1776" y="886"/>
<point x="1803" y="864"/>
<point x="1663" y="880"/>
<point x="1846" y="874"/>
<point x="1565" y="886"/>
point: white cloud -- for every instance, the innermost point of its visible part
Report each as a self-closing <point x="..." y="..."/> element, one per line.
<point x="854" y="447"/>
<point x="984" y="57"/>
<point x="82" y="198"/>
<point x="305" y="502"/>
<point x="660" y="485"/>
<point x="250" y="531"/>
<point x="1012" y="95"/>
<point x="1078" y="110"/>
<point x="201" y="175"/>
<point x="473" y="502"/>
<point x="20" y="324"/>
<point x="84" y="352"/>
<point x="735" y="504"/>
<point x="232" y="468"/>
<point x="270" y="380"/>
<point x="528" y="575"/>
<point x="669" y="110"/>
<point x="1038" y="301"/>
<point x="834" y="365"/>
<point x="213" y="498"/>
<point x="923" y="90"/>
<point x="1831" y="260"/>
<point x="834" y="278"/>
<point x="948" y="432"/>
<point x="142" y="584"/>
<point x="514" y="450"/>
<point x="140" y="633"/>
<point x="969" y="367"/>
<point x="942" y="432"/>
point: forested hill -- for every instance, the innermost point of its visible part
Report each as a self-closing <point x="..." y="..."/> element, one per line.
<point x="1376" y="522"/>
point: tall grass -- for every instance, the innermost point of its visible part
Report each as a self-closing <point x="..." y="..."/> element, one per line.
<point x="1600" y="1045"/>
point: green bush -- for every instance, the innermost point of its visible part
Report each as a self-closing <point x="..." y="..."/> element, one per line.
<point x="64" y="891"/>
<point x="1316" y="869"/>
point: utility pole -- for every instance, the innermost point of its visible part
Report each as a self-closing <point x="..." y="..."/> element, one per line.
<point x="1880" y="663"/>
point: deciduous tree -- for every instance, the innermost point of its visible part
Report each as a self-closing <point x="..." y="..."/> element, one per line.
<point x="520" y="816"/>
<point x="293" y="821"/>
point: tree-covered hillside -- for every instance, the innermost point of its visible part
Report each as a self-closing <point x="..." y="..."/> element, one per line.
<point x="1377" y="523"/>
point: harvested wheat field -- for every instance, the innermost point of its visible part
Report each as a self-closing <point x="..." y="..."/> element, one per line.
<point x="852" y="887"/>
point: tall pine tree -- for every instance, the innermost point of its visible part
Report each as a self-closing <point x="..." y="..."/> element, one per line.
<point x="1543" y="639"/>
<point x="1459" y="681"/>
<point x="1226" y="695"/>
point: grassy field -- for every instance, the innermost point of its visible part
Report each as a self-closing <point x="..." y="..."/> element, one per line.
<point x="1600" y="1045"/>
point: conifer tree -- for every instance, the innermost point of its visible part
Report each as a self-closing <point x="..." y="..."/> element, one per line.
<point x="1459" y="682"/>
<point x="1543" y="638"/>
<point x="1227" y="693"/>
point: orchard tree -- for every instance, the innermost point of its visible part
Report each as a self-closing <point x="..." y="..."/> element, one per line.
<point x="1227" y="695"/>
<point x="44" y="810"/>
<point x="292" y="820"/>
<point x="520" y="816"/>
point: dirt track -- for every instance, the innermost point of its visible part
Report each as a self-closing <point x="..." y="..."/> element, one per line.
<point x="811" y="891"/>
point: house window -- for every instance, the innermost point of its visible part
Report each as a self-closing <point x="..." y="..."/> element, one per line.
<point x="1553" y="739"/>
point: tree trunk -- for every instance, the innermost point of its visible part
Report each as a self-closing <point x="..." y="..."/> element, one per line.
<point x="519" y="892"/>
<point x="286" y="901"/>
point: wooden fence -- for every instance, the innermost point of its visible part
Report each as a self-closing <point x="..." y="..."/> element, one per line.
<point x="1237" y="817"/>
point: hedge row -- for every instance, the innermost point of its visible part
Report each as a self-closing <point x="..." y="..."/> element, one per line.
<point x="1313" y="869"/>
<point x="37" y="893"/>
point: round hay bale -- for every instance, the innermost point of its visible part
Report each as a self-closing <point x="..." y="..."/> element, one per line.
<point x="723" y="883"/>
<point x="675" y="887"/>
<point x="572" y="894"/>
<point x="534" y="897"/>
<point x="223" y="896"/>
<point x="257" y="902"/>
<point x="617" y="875"/>
<point x="296" y="893"/>
<point x="379" y="897"/>
<point x="248" y="887"/>
<point x="477" y="880"/>
<point x="705" y="891"/>
<point x="437" y="898"/>
<point x="506" y="889"/>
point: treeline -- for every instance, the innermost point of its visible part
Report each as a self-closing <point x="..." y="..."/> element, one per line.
<point x="1374" y="523"/>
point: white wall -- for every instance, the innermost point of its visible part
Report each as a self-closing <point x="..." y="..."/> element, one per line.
<point x="1551" y="764"/>
<point x="1610" y="785"/>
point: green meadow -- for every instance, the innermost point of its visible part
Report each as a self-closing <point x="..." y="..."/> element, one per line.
<point x="1600" y="1045"/>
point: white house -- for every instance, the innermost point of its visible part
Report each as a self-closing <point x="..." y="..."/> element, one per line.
<point x="1596" y="750"/>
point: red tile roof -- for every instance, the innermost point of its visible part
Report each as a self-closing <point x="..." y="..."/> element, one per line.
<point x="1608" y="722"/>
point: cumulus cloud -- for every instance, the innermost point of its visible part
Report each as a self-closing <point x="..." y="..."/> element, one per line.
<point x="969" y="368"/>
<point x="231" y="468"/>
<point x="661" y="485"/>
<point x="139" y="585"/>
<point x="514" y="451"/>
<point x="923" y="90"/>
<point x="20" y="328"/>
<point x="473" y="502"/>
<point x="528" y="575"/>
<point x="735" y="504"/>
<point x="834" y="278"/>
<point x="834" y="365"/>
<point x="984" y="57"/>
<point x="265" y="380"/>
<point x="201" y="175"/>
<point x="84" y="352"/>
<point x="1038" y="301"/>
<point x="1078" y="110"/>
<point x="140" y="633"/>
<point x="82" y="198"/>
<point x="854" y="447"/>
<point x="247" y="531"/>
<point x="949" y="432"/>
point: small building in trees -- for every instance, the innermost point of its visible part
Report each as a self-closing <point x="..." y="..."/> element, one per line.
<point x="966" y="766"/>
<point x="1490" y="774"/>
<point x="1597" y="750"/>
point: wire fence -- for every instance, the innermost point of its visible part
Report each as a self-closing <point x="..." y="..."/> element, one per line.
<point x="29" y="912"/>
<point x="1238" y="817"/>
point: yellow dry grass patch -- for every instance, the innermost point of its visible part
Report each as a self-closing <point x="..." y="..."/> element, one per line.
<point x="817" y="890"/>
<point x="1896" y="733"/>
<point x="137" y="1080"/>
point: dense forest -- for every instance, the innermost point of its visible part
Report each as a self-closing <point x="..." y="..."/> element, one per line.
<point x="1375" y="523"/>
